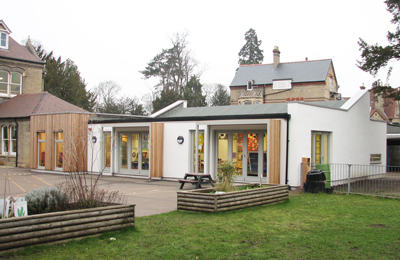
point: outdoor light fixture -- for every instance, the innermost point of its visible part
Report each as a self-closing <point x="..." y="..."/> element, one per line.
<point x="180" y="139"/>
<point x="94" y="139"/>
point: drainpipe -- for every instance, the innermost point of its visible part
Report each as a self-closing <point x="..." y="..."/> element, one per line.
<point x="264" y="94"/>
<point x="16" y="153"/>
<point x="287" y="149"/>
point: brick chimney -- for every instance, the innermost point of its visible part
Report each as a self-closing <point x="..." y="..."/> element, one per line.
<point x="276" y="56"/>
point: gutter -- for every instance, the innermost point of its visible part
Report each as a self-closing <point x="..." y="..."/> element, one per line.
<point x="191" y="118"/>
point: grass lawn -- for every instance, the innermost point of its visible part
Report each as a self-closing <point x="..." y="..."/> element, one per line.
<point x="307" y="226"/>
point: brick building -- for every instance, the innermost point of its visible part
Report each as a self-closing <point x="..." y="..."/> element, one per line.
<point x="280" y="82"/>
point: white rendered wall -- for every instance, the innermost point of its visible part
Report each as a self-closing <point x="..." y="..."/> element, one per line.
<point x="353" y="135"/>
<point x="177" y="157"/>
<point x="94" y="149"/>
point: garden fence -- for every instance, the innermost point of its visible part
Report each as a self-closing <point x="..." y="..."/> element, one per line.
<point x="375" y="180"/>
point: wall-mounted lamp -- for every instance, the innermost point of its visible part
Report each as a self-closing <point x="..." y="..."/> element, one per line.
<point x="180" y="139"/>
<point x="94" y="139"/>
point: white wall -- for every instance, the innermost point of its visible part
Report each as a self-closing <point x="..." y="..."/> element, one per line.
<point x="177" y="157"/>
<point x="94" y="149"/>
<point x="353" y="135"/>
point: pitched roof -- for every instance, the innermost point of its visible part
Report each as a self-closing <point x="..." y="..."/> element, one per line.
<point x="19" y="52"/>
<point x="298" y="72"/>
<point x="25" y="105"/>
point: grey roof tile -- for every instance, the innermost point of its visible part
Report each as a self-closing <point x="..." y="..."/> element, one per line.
<point x="298" y="72"/>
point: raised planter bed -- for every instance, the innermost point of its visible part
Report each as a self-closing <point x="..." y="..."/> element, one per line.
<point x="51" y="227"/>
<point x="203" y="200"/>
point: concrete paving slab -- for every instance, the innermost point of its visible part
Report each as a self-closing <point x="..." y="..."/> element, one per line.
<point x="151" y="197"/>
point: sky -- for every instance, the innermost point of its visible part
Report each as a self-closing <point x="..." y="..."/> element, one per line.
<point x="114" y="40"/>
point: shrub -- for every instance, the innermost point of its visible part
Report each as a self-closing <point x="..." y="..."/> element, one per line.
<point x="225" y="177"/>
<point x="83" y="192"/>
<point x="46" y="200"/>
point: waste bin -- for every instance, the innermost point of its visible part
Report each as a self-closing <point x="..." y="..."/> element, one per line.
<point x="315" y="181"/>
<point x="327" y="170"/>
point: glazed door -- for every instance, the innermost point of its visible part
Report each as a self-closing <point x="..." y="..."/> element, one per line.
<point x="134" y="153"/>
<point x="247" y="150"/>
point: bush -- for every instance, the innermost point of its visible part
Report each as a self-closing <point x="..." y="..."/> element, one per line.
<point x="46" y="200"/>
<point x="225" y="177"/>
<point x="83" y="192"/>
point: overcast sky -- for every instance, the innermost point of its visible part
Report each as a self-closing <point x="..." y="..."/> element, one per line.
<point x="113" y="40"/>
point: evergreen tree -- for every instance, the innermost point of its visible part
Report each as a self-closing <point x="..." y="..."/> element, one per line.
<point x="63" y="80"/>
<point x="192" y="92"/>
<point x="251" y="52"/>
<point x="375" y="57"/>
<point x="167" y="97"/>
<point x="220" y="97"/>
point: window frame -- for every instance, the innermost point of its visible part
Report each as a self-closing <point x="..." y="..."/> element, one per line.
<point x="325" y="151"/>
<point x="4" y="140"/>
<point x="10" y="138"/>
<point x="9" y="84"/>
<point x="7" y="40"/>
<point x="56" y="142"/>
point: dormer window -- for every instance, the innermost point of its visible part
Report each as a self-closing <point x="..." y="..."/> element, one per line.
<point x="250" y="84"/>
<point x="3" y="40"/>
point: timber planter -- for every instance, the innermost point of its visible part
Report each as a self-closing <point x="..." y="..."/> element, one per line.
<point x="203" y="200"/>
<point x="52" y="227"/>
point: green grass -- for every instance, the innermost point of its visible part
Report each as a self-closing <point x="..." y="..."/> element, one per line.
<point x="308" y="226"/>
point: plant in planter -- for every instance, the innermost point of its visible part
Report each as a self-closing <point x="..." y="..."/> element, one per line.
<point x="225" y="177"/>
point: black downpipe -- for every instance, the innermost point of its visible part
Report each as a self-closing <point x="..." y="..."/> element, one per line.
<point x="16" y="143"/>
<point x="287" y="150"/>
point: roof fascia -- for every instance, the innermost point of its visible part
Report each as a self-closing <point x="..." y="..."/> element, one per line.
<point x="354" y="99"/>
<point x="174" y="105"/>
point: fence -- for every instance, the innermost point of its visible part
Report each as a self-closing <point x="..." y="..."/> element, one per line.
<point x="375" y="180"/>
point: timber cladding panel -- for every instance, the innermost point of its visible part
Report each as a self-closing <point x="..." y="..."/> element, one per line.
<point x="75" y="135"/>
<point x="274" y="151"/>
<point x="204" y="201"/>
<point x="52" y="227"/>
<point x="157" y="150"/>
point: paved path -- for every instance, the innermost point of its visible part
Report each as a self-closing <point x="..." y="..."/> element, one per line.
<point x="150" y="197"/>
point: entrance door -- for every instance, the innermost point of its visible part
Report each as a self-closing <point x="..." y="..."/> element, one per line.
<point x="248" y="152"/>
<point x="134" y="153"/>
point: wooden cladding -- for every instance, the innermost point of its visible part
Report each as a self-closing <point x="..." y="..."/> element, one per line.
<point x="275" y="151"/>
<point x="157" y="150"/>
<point x="75" y="133"/>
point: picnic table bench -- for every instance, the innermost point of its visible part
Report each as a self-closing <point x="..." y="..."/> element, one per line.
<point x="196" y="179"/>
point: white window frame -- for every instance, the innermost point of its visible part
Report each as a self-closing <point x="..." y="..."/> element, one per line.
<point x="324" y="135"/>
<point x="11" y="146"/>
<point x="282" y="84"/>
<point x="4" y="140"/>
<point x="9" y="83"/>
<point x="7" y="40"/>
<point x="58" y="141"/>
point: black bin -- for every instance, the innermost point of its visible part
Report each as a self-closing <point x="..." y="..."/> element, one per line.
<point x="315" y="181"/>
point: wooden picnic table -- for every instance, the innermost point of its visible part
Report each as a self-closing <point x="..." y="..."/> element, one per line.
<point x="196" y="179"/>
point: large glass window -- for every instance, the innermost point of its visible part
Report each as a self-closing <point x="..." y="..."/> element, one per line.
<point x="320" y="148"/>
<point x="59" y="139"/>
<point x="199" y="163"/>
<point x="247" y="150"/>
<point x="134" y="155"/>
<point x="10" y="83"/>
<point x="5" y="139"/>
<point x="41" y="149"/>
<point x="15" y="84"/>
<point x="4" y="81"/>
<point x="3" y="41"/>
<point x="13" y="140"/>
<point x="107" y="150"/>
